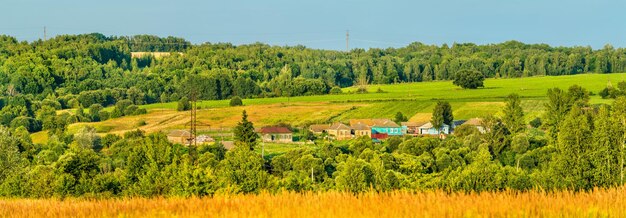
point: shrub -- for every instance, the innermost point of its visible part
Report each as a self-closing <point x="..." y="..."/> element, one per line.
<point x="183" y="104"/>
<point x="236" y="101"/>
<point x="335" y="90"/>
<point x="536" y="123"/>
<point x="140" y="111"/>
<point x="141" y="123"/>
<point x="104" y="115"/>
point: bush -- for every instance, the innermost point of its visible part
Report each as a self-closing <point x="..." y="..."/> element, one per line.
<point x="335" y="90"/>
<point x="141" y="123"/>
<point x="183" y="104"/>
<point x="104" y="115"/>
<point x="140" y="111"/>
<point x="536" y="123"/>
<point x="130" y="110"/>
<point x="236" y="101"/>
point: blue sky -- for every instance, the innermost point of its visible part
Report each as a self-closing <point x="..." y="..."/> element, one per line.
<point x="323" y="23"/>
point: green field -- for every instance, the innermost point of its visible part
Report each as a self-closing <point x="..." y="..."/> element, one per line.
<point x="495" y="90"/>
<point x="414" y="100"/>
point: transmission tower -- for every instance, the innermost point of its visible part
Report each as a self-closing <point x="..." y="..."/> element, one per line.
<point x="194" y="111"/>
<point x="347" y="40"/>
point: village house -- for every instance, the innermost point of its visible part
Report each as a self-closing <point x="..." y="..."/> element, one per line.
<point x="204" y="139"/>
<point x="228" y="145"/>
<point x="179" y="137"/>
<point x="388" y="127"/>
<point x="340" y="131"/>
<point x="380" y="128"/>
<point x="429" y="129"/>
<point x="184" y="137"/>
<point x="411" y="128"/>
<point x="319" y="129"/>
<point x="476" y="122"/>
<point x="276" y="134"/>
<point x="360" y="129"/>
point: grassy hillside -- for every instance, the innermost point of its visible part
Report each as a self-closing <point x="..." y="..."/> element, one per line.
<point x="415" y="100"/>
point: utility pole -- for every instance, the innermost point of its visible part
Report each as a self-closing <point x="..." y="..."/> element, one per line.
<point x="45" y="36"/>
<point x="347" y="40"/>
<point x="312" y="177"/>
<point x="194" y="112"/>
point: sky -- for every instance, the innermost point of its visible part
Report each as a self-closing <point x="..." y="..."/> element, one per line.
<point x="323" y="23"/>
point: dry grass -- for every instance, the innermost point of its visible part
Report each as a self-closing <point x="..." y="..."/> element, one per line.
<point x="599" y="203"/>
<point x="166" y="119"/>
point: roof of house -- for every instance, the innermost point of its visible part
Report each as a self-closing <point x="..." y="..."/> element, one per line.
<point x="374" y="122"/>
<point x="458" y="122"/>
<point x="474" y="122"/>
<point x="204" y="138"/>
<point x="319" y="127"/>
<point x="386" y="123"/>
<point x="412" y="124"/>
<point x="179" y="133"/>
<point x="274" y="129"/>
<point x="339" y="126"/>
<point x="228" y="144"/>
<point x="360" y="126"/>
<point x="430" y="125"/>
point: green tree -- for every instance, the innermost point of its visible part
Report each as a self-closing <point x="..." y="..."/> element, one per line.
<point x="605" y="154"/>
<point x="87" y="137"/>
<point x="400" y="117"/>
<point x="619" y="114"/>
<point x="354" y="175"/>
<point x="10" y="159"/>
<point x="242" y="172"/>
<point x="94" y="112"/>
<point x="556" y="109"/>
<point x="442" y="114"/>
<point x="245" y="135"/>
<point x="513" y="114"/>
<point x="469" y="79"/>
<point x="572" y="165"/>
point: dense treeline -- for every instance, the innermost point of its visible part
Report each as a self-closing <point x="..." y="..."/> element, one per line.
<point x="575" y="146"/>
<point x="73" y="71"/>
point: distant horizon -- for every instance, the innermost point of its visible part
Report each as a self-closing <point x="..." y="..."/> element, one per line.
<point x="293" y="45"/>
<point x="323" y="24"/>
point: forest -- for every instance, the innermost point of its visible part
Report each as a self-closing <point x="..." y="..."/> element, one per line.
<point x="95" y="71"/>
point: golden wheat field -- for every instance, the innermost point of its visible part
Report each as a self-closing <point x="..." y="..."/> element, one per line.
<point x="598" y="203"/>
